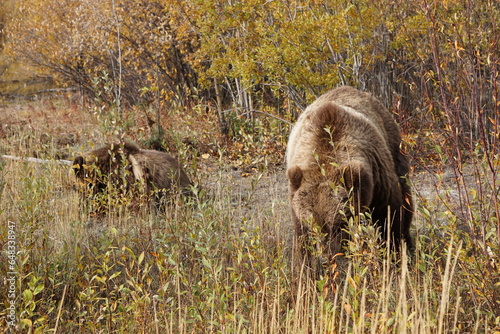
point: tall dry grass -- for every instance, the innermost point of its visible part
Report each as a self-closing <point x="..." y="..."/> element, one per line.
<point x="223" y="262"/>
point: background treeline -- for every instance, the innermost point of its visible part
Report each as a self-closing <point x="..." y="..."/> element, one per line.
<point x="435" y="63"/>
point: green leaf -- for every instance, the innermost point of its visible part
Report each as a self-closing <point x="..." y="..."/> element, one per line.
<point x="39" y="288"/>
<point x="115" y="275"/>
<point x="100" y="279"/>
<point x="141" y="258"/>
<point x="27" y="322"/>
<point x="28" y="295"/>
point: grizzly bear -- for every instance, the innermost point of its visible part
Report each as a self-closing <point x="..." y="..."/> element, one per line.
<point x="344" y="153"/>
<point x="130" y="171"/>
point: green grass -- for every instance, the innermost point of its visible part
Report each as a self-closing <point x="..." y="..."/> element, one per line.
<point x="224" y="263"/>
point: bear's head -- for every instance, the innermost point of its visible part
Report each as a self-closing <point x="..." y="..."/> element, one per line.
<point x="112" y="164"/>
<point x="328" y="198"/>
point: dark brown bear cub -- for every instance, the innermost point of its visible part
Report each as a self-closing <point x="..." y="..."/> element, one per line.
<point x="344" y="150"/>
<point x="131" y="172"/>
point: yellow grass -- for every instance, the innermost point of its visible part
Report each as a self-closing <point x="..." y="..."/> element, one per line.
<point x="222" y="263"/>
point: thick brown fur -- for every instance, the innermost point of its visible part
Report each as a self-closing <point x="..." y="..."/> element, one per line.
<point x="138" y="172"/>
<point x="345" y="149"/>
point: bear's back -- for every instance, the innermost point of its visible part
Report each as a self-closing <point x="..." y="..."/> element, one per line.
<point x="359" y="102"/>
<point x="161" y="169"/>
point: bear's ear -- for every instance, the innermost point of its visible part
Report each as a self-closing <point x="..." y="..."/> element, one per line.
<point x="295" y="176"/>
<point x="77" y="167"/>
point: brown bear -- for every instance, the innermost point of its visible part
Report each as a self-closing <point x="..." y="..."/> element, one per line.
<point x="140" y="173"/>
<point x="344" y="150"/>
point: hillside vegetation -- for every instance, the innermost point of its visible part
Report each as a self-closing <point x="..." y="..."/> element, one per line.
<point x="218" y="83"/>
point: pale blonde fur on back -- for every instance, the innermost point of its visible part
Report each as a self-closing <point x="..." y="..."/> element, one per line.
<point x="303" y="141"/>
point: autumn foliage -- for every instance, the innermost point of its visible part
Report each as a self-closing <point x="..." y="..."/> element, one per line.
<point x="415" y="55"/>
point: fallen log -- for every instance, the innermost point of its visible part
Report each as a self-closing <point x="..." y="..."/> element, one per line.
<point x="37" y="160"/>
